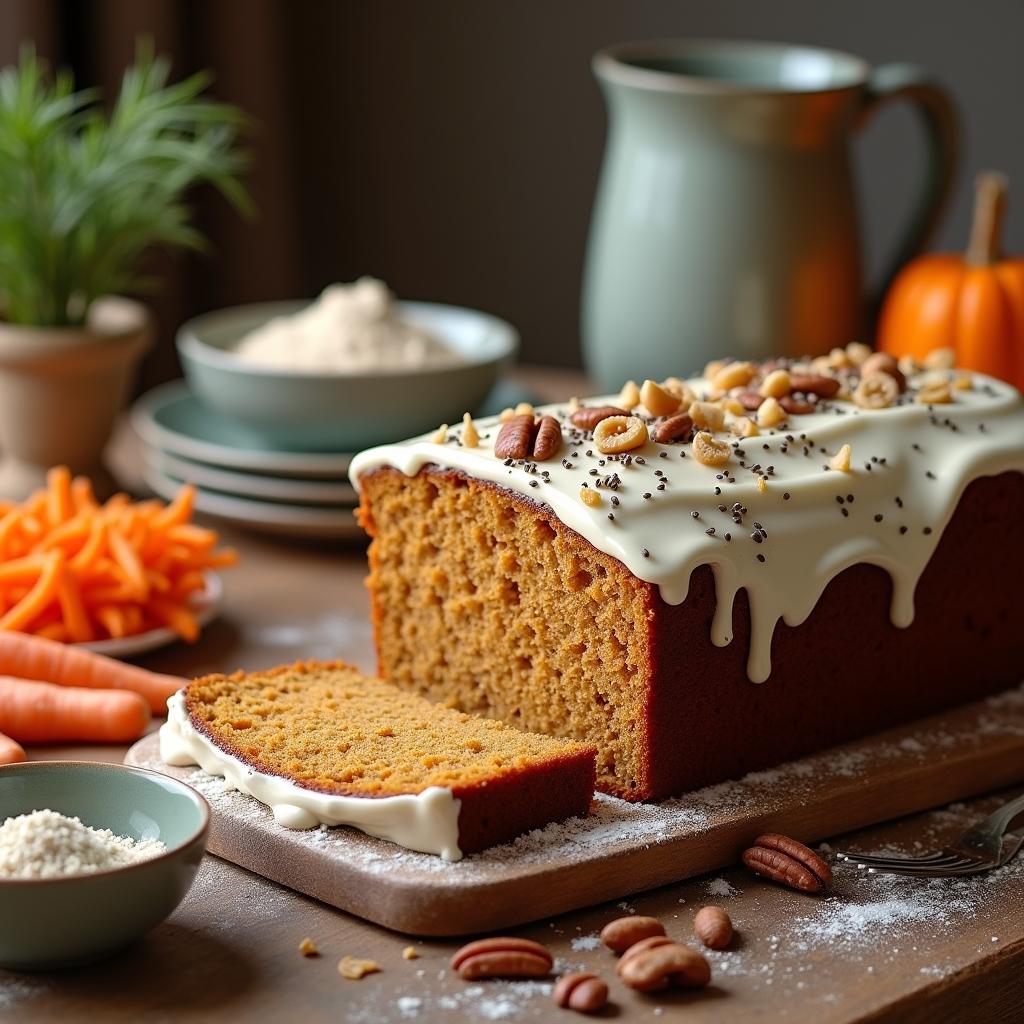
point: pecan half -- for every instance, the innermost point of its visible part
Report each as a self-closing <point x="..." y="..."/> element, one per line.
<point x="781" y="859"/>
<point x="548" y="440"/>
<point x="642" y="946"/>
<point x="623" y="932"/>
<point x="751" y="400"/>
<point x="675" y="428"/>
<point x="515" y="438"/>
<point x="795" y="406"/>
<point x="662" y="966"/>
<point x="502" y="957"/>
<point x="588" y="416"/>
<point x="582" y="992"/>
<point x="814" y="384"/>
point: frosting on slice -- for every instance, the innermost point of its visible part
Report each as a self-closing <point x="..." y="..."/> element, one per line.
<point x="777" y="521"/>
<point x="427" y="822"/>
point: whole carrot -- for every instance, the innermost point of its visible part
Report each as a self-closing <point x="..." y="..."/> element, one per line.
<point x="10" y="752"/>
<point x="33" y="657"/>
<point x="33" y="712"/>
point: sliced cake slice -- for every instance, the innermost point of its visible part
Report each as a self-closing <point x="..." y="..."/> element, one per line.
<point x="324" y="744"/>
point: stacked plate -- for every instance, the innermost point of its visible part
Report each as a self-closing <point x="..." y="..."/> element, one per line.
<point x="236" y="476"/>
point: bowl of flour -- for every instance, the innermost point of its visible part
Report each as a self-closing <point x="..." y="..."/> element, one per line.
<point x="353" y="368"/>
<point x="91" y="857"/>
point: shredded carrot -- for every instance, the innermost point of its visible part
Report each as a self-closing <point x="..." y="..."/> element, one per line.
<point x="74" y="570"/>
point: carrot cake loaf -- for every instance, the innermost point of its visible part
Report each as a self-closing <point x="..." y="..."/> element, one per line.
<point x="710" y="576"/>
<point x="323" y="744"/>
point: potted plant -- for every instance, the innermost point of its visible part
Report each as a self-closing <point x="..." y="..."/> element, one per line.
<point x="84" y="194"/>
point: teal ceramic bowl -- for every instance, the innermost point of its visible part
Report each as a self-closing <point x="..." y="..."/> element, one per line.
<point x="65" y="922"/>
<point x="335" y="412"/>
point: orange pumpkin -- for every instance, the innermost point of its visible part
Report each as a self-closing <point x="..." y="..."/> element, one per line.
<point x="972" y="303"/>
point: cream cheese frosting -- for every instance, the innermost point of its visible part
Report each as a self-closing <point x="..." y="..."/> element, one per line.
<point x="663" y="514"/>
<point x="427" y="822"/>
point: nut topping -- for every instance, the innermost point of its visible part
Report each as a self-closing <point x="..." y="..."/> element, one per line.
<point x="639" y="947"/>
<point x="878" y="391"/>
<point x="709" y="451"/>
<point x="502" y="957"/>
<point x="620" y="934"/>
<point x="675" y="428"/>
<point x="770" y="412"/>
<point x="935" y="392"/>
<point x="662" y="966"/>
<point x="582" y="992"/>
<point x="713" y="927"/>
<point x="795" y="406"/>
<point x="781" y="859"/>
<point x="548" y="440"/>
<point x="629" y="397"/>
<point x="470" y="436"/>
<point x="733" y="375"/>
<point x="620" y="434"/>
<point x="750" y="400"/>
<point x="515" y="438"/>
<point x="775" y="385"/>
<point x="588" y="417"/>
<point x="657" y="400"/>
<point x="814" y="384"/>
<point x="842" y="459"/>
<point x="882" y="362"/>
<point x="354" y="968"/>
<point x="707" y="416"/>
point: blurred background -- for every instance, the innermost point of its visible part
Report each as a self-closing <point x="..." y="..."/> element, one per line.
<point x="452" y="147"/>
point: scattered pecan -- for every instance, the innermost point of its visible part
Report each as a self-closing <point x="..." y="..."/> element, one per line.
<point x="588" y="416"/>
<point x="623" y="932"/>
<point x="502" y="957"/>
<point x="583" y="992"/>
<point x="713" y="927"/>
<point x="795" y="406"/>
<point x="675" y="428"/>
<point x="548" y="439"/>
<point x="661" y="966"/>
<point x="784" y="860"/>
<point x="515" y="438"/>
<point x="814" y="384"/>
<point x="750" y="400"/>
<point x="642" y="946"/>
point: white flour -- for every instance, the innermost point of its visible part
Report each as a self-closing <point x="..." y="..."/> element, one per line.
<point x="351" y="328"/>
<point x="45" y="844"/>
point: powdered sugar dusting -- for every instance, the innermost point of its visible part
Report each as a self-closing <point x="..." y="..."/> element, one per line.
<point x="721" y="887"/>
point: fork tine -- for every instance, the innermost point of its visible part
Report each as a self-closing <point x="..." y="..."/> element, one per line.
<point x="871" y="859"/>
<point x="956" y="870"/>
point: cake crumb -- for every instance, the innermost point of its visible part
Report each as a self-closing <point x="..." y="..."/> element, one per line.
<point x="354" y="968"/>
<point x="307" y="947"/>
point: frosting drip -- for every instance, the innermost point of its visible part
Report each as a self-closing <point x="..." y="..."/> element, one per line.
<point x="669" y="514"/>
<point x="427" y="822"/>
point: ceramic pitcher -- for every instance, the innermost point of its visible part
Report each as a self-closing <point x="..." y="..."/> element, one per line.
<point x="726" y="218"/>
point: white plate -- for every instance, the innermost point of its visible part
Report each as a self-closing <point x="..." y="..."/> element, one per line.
<point x="334" y="523"/>
<point x="251" y="485"/>
<point x="171" y="418"/>
<point x="205" y="607"/>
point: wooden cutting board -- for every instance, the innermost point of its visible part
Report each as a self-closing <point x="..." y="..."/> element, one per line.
<point x="621" y="848"/>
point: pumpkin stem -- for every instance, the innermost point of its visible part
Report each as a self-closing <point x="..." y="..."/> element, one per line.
<point x="987" y="226"/>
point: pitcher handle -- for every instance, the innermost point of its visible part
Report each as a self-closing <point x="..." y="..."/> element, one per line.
<point x="938" y="112"/>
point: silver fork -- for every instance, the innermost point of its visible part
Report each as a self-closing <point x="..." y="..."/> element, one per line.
<point x="986" y="846"/>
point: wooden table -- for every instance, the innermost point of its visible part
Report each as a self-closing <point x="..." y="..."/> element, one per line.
<point x="876" y="949"/>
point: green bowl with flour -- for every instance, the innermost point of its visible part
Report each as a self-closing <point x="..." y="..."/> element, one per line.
<point x="49" y="923"/>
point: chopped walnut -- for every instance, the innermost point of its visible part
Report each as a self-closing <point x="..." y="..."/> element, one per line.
<point x="629" y="397"/>
<point x="307" y="947"/>
<point x="470" y="437"/>
<point x="409" y="953"/>
<point x="842" y="459"/>
<point x="353" y="968"/>
<point x="657" y="401"/>
<point x="770" y="413"/>
<point x="440" y="435"/>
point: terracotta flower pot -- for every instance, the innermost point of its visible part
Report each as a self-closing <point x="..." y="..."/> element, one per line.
<point x="61" y="389"/>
